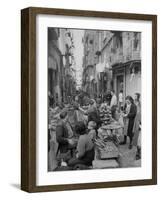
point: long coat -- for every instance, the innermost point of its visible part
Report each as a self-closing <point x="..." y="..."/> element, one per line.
<point x="136" y="127"/>
<point x="131" y="116"/>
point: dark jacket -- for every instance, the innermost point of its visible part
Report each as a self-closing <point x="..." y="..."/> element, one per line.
<point x="93" y="115"/>
<point x="131" y="117"/>
<point x="62" y="136"/>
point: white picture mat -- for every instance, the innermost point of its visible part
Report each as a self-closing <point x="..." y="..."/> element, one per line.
<point x="43" y="177"/>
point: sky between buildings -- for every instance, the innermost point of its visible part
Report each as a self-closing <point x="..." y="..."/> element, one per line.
<point x="78" y="54"/>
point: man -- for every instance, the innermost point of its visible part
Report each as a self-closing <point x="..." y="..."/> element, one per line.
<point x="113" y="103"/>
<point x="62" y="138"/>
<point x="120" y="100"/>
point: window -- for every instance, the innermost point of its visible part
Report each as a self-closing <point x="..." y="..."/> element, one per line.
<point x="91" y="41"/>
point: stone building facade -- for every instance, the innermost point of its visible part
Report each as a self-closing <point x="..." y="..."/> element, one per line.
<point x="61" y="82"/>
<point x="112" y="60"/>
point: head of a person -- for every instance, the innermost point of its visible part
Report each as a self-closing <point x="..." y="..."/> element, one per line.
<point x="80" y="128"/>
<point x="63" y="115"/>
<point x="112" y="92"/>
<point x="137" y="97"/>
<point x="91" y="102"/>
<point x="91" y="125"/>
<point x="129" y="100"/>
<point x="121" y="91"/>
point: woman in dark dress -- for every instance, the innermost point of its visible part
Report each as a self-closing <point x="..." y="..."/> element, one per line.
<point x="131" y="118"/>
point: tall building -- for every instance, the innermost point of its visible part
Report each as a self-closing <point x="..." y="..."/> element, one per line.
<point x="90" y="42"/>
<point x="126" y="63"/>
<point x="61" y="80"/>
<point x="96" y="74"/>
<point x="112" y="60"/>
<point x="55" y="65"/>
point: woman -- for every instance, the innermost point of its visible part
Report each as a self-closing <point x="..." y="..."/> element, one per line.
<point x="137" y="122"/>
<point x="85" y="148"/>
<point x="129" y="116"/>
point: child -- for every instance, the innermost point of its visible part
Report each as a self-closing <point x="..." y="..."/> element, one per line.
<point x="91" y="130"/>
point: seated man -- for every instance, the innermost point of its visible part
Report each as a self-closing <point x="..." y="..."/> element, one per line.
<point x="85" y="147"/>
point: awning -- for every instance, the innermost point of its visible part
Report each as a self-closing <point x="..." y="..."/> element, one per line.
<point x="130" y="63"/>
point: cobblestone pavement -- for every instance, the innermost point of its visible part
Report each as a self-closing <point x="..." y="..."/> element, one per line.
<point x="128" y="156"/>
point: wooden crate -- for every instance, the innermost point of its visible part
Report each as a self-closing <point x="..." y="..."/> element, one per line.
<point x="110" y="151"/>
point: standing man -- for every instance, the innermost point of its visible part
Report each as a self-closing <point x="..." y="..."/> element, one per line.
<point x="120" y="99"/>
<point x="62" y="137"/>
<point x="113" y="103"/>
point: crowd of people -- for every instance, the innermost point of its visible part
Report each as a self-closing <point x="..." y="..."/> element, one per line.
<point x="77" y="127"/>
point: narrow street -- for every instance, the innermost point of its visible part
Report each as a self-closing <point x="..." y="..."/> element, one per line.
<point x="94" y="81"/>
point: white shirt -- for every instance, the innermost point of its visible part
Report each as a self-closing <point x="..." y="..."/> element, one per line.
<point x="113" y="101"/>
<point x="120" y="97"/>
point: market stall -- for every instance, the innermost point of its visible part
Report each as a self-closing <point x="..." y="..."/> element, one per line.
<point x="106" y="144"/>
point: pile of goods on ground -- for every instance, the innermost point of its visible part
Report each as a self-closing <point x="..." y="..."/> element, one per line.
<point x="106" y="149"/>
<point x="110" y="133"/>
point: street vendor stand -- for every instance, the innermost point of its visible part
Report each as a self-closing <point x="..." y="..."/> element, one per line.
<point x="106" y="146"/>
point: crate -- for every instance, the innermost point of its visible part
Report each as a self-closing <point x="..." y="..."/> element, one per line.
<point x="110" y="151"/>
